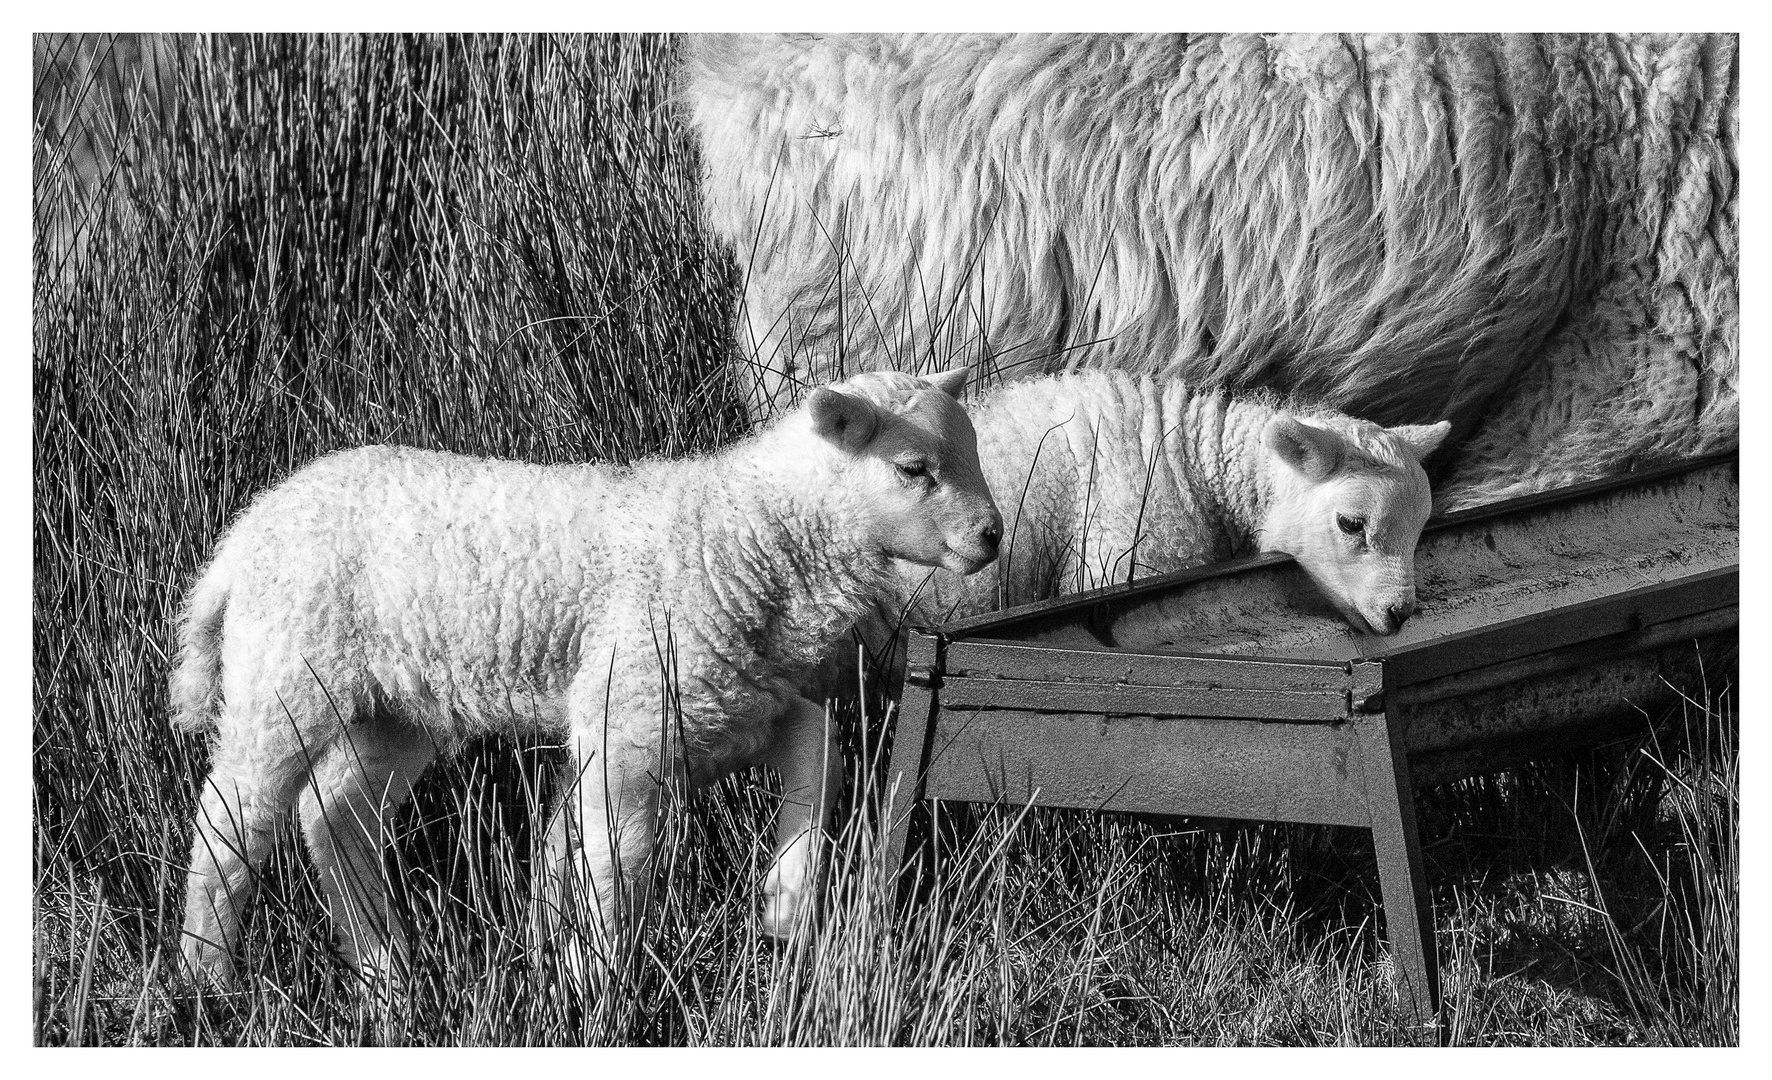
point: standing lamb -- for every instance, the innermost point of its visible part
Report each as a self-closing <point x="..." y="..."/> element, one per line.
<point x="1106" y="477"/>
<point x="385" y="604"/>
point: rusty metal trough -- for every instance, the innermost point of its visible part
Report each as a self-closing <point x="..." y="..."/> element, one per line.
<point x="1544" y="624"/>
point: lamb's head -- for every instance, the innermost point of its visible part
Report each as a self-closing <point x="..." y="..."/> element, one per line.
<point x="907" y="457"/>
<point x="1348" y="499"/>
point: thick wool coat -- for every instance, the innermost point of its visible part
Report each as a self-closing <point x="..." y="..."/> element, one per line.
<point x="1532" y="236"/>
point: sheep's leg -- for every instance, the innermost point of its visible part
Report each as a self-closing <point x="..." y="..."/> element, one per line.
<point x="555" y="867"/>
<point x="600" y="839"/>
<point x="804" y="752"/>
<point x="618" y="810"/>
<point x="344" y="807"/>
<point x="253" y="780"/>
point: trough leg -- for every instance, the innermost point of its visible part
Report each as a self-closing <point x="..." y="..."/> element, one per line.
<point x="912" y="732"/>
<point x="1408" y="912"/>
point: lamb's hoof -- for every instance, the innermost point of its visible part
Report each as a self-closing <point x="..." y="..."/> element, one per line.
<point x="206" y="969"/>
<point x="378" y="974"/>
<point x="782" y="914"/>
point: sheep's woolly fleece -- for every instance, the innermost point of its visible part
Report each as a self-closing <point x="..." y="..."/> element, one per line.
<point x="1533" y="236"/>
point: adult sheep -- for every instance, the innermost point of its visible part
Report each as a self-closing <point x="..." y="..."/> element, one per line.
<point x="1536" y="229"/>
<point x="1105" y="478"/>
<point x="384" y="604"/>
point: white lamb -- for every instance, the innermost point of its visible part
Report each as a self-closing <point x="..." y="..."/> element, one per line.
<point x="1105" y="477"/>
<point x="385" y="604"/>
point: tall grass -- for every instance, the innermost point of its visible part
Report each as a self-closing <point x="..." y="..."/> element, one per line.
<point x="251" y="251"/>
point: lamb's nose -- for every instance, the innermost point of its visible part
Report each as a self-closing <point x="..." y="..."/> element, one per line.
<point x="992" y="534"/>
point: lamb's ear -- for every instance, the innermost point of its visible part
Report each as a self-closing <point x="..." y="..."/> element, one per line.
<point x="949" y="382"/>
<point x="842" y="418"/>
<point x="1424" y="439"/>
<point x="1311" y="450"/>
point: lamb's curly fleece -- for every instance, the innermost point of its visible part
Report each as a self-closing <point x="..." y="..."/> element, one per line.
<point x="476" y="590"/>
<point x="385" y="604"/>
<point x="1106" y="478"/>
<point x="1533" y="236"/>
<point x="1103" y="477"/>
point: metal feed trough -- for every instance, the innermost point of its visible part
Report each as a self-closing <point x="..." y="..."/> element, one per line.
<point x="1544" y="624"/>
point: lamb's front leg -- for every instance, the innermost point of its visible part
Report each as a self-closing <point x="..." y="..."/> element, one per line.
<point x="595" y="866"/>
<point x="556" y="868"/>
<point x="804" y="752"/>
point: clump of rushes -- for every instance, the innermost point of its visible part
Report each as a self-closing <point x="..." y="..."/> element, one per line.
<point x="250" y="251"/>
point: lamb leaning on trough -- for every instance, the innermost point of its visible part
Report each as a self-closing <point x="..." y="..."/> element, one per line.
<point x="1104" y="477"/>
<point x="385" y="604"/>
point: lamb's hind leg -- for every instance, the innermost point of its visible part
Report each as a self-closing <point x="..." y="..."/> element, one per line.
<point x="804" y="752"/>
<point x="354" y="786"/>
<point x="254" y="774"/>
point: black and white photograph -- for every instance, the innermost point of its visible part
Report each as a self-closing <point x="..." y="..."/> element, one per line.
<point x="937" y="538"/>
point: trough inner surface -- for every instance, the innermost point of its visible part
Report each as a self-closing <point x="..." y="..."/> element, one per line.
<point x="1473" y="570"/>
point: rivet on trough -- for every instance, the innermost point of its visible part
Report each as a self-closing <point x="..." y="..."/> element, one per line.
<point x="924" y="676"/>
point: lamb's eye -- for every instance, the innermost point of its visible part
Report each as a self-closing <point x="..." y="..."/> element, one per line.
<point x="911" y="470"/>
<point x="1353" y="526"/>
